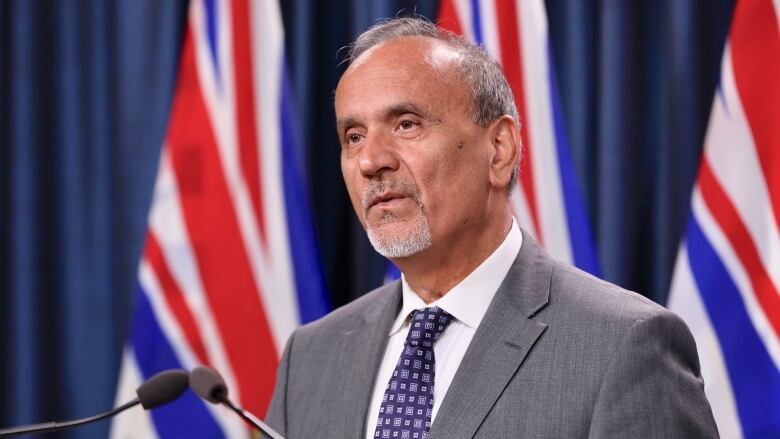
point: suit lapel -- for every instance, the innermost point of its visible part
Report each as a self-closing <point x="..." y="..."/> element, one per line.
<point x="363" y="355"/>
<point x="503" y="339"/>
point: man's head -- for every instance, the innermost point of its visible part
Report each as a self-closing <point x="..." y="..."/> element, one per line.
<point x="429" y="136"/>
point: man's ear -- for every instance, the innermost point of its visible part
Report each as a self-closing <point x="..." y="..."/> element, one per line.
<point x="504" y="150"/>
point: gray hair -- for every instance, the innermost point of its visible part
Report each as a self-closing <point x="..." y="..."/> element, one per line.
<point x="491" y="96"/>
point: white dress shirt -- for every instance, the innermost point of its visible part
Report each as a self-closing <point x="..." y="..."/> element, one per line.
<point x="467" y="302"/>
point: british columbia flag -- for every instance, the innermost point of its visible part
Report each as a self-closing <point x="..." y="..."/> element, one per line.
<point x="230" y="265"/>
<point x="548" y="202"/>
<point x="727" y="279"/>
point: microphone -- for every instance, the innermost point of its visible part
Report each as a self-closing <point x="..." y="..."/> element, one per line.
<point x="154" y="392"/>
<point x="162" y="388"/>
<point x="209" y="385"/>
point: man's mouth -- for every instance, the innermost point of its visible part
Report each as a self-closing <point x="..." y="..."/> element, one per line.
<point x="385" y="199"/>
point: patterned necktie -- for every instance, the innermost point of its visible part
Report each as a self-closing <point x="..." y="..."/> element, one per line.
<point x="408" y="400"/>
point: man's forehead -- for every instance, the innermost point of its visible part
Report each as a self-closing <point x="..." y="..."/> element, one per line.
<point x="409" y="51"/>
<point x="399" y="73"/>
<point x="444" y="55"/>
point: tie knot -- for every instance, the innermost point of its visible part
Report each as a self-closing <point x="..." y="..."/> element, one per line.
<point x="427" y="326"/>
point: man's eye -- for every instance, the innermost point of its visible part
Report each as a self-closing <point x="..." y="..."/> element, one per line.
<point x="353" y="138"/>
<point x="406" y="124"/>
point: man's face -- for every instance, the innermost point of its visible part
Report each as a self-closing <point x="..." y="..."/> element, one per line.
<point x="414" y="163"/>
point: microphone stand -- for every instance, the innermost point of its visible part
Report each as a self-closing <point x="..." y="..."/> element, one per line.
<point x="252" y="420"/>
<point x="50" y="426"/>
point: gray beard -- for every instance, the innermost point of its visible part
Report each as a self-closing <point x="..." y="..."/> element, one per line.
<point x="397" y="245"/>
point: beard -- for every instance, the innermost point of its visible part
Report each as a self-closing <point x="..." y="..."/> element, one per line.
<point x="407" y="241"/>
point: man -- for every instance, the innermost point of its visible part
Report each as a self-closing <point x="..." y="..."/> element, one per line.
<point x="485" y="336"/>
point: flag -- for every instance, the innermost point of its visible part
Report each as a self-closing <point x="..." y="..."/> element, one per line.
<point x="548" y="202"/>
<point x="726" y="283"/>
<point x="230" y="266"/>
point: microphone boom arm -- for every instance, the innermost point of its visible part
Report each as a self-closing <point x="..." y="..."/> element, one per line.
<point x="49" y="426"/>
<point x="252" y="420"/>
<point x="158" y="390"/>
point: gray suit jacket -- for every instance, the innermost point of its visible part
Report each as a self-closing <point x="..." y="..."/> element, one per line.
<point x="559" y="354"/>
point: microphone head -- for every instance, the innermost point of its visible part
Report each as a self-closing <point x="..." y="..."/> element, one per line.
<point x="208" y="384"/>
<point x="162" y="388"/>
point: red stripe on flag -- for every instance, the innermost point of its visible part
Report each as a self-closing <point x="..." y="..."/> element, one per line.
<point x="755" y="54"/>
<point x="245" y="107"/>
<point x="212" y="225"/>
<point x="448" y="17"/>
<point x="736" y="232"/>
<point x="512" y="61"/>
<point x="174" y="298"/>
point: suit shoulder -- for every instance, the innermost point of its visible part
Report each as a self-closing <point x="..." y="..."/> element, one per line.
<point x="598" y="300"/>
<point x="583" y="308"/>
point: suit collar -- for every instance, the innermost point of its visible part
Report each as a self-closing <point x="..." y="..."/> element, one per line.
<point x="364" y="343"/>
<point x="502" y="341"/>
<point x="527" y="285"/>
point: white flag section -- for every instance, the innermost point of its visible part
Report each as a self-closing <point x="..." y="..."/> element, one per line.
<point x="727" y="280"/>
<point x="548" y="202"/>
<point x="230" y="265"/>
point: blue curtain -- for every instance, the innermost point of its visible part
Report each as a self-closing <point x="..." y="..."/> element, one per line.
<point x="85" y="90"/>
<point x="637" y="82"/>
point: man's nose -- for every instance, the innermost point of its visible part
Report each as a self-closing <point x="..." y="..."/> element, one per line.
<point x="377" y="155"/>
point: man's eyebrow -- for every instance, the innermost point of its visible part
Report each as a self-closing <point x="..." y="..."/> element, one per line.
<point x="345" y="122"/>
<point x="403" y="108"/>
<point x="396" y="110"/>
<point x="388" y="113"/>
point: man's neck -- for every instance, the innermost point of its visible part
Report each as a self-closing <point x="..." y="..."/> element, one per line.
<point x="435" y="271"/>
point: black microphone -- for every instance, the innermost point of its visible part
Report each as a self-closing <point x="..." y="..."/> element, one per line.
<point x="154" y="392"/>
<point x="209" y="385"/>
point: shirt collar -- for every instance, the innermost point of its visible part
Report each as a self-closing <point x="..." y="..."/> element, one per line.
<point x="468" y="300"/>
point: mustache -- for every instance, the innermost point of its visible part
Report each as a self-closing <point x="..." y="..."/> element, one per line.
<point x="379" y="186"/>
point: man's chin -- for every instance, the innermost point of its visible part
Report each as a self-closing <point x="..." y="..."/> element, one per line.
<point x="398" y="239"/>
<point x="390" y="223"/>
<point x="377" y="217"/>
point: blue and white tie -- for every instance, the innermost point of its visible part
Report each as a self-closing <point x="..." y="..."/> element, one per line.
<point x="408" y="400"/>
